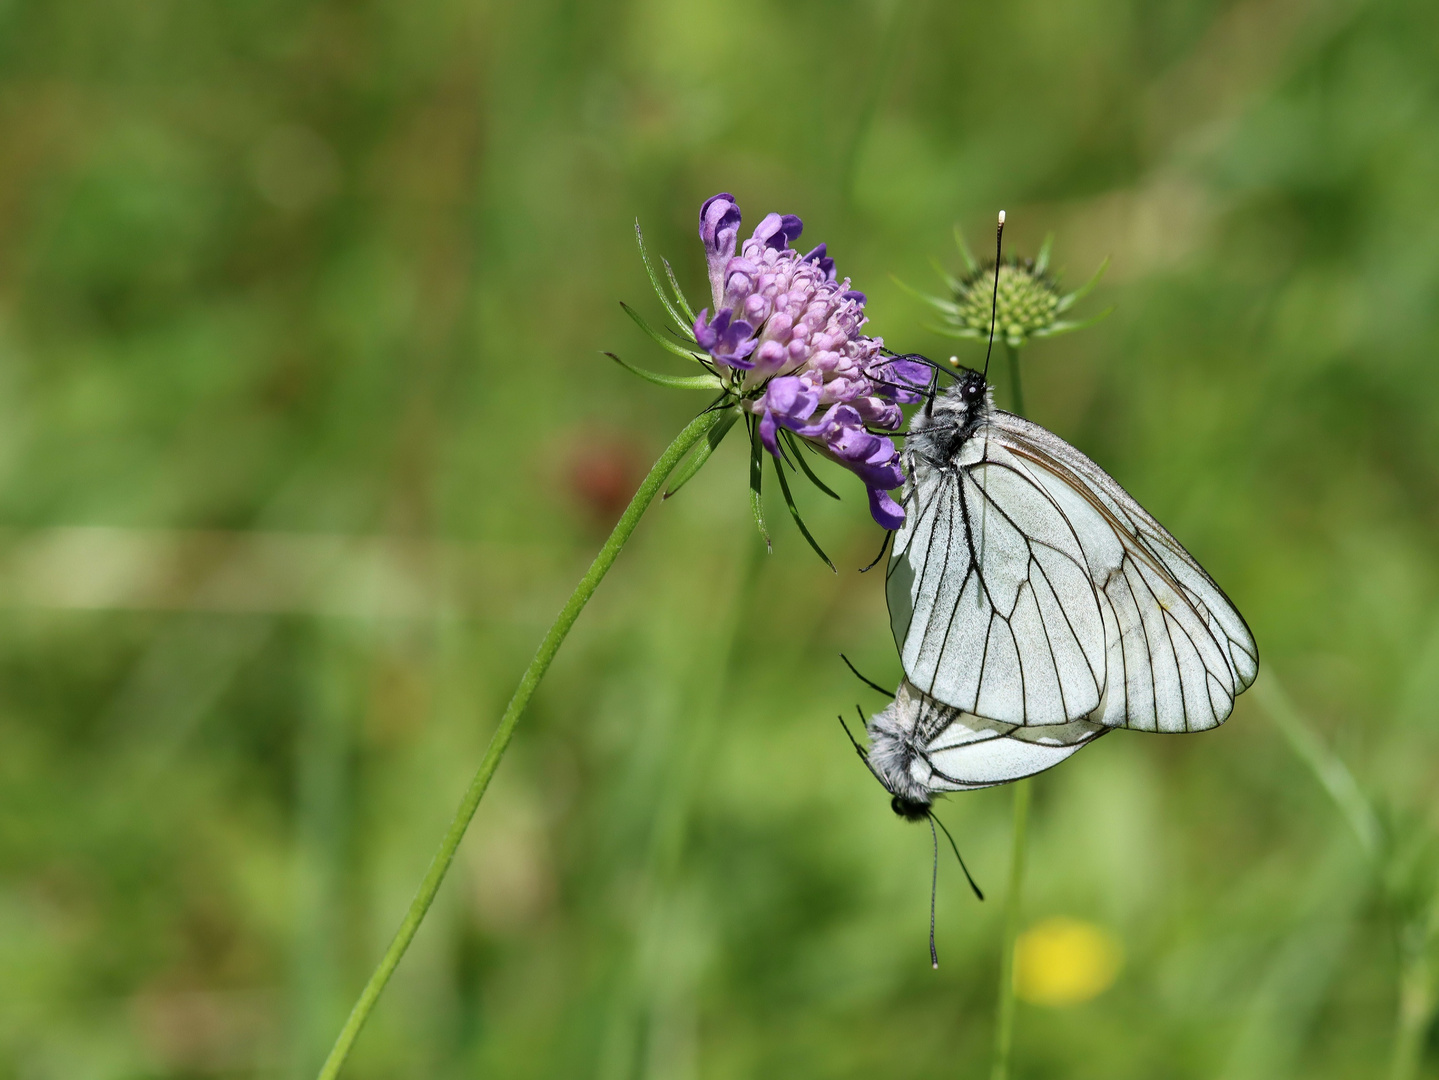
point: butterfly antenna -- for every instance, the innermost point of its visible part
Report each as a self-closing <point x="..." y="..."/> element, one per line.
<point x="888" y="536"/>
<point x="867" y="682"/>
<point x="919" y="358"/>
<point x="933" y="891"/>
<point x="994" y="300"/>
<point x="960" y="857"/>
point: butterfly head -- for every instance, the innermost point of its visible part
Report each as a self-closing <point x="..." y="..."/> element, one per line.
<point x="909" y="809"/>
<point x="957" y="411"/>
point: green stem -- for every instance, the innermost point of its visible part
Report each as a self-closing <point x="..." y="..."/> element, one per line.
<point x="1016" y="392"/>
<point x="686" y="440"/>
<point x="1004" y="1023"/>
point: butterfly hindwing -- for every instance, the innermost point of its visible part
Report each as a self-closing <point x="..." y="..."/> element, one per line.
<point x="922" y="748"/>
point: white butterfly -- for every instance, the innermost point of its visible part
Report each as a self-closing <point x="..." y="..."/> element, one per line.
<point x="1027" y="588"/>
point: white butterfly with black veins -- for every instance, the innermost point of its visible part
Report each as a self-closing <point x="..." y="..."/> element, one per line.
<point x="1027" y="588"/>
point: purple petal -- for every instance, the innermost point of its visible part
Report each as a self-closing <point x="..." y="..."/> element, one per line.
<point x="777" y="231"/>
<point x="767" y="433"/>
<point x="719" y="229"/>
<point x="885" y="511"/>
<point x="709" y="331"/>
<point x="791" y="399"/>
<point x="820" y="259"/>
<point x="904" y="381"/>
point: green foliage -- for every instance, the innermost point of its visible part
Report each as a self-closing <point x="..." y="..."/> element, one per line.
<point x="303" y="441"/>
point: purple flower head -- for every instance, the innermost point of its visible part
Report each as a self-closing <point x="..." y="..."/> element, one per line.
<point x="787" y="340"/>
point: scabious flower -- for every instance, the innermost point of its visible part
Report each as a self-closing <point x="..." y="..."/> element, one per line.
<point x="783" y="341"/>
<point x="786" y="339"/>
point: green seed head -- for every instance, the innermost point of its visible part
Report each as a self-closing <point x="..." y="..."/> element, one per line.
<point x="1027" y="302"/>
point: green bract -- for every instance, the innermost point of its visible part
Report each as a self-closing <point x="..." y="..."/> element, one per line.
<point x="1027" y="304"/>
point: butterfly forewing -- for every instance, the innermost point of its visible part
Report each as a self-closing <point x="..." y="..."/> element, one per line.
<point x="990" y="597"/>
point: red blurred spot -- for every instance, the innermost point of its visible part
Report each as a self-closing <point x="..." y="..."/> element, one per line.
<point x="604" y="471"/>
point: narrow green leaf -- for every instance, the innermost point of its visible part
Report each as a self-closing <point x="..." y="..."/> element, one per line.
<point x="756" y="475"/>
<point x="964" y="249"/>
<point x="794" y="444"/>
<point x="702" y="453"/>
<point x="1084" y="290"/>
<point x="664" y="342"/>
<point x="1041" y="261"/>
<point x="655" y="279"/>
<point x="956" y="331"/>
<point x="680" y="299"/>
<point x="1064" y="326"/>
<point x="952" y="283"/>
<point x="794" y="513"/>
<point x="941" y="304"/>
<point x="674" y="382"/>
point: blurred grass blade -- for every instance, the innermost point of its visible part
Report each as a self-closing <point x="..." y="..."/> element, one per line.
<point x="664" y="342"/>
<point x="674" y="382"/>
<point x="685" y="328"/>
<point x="702" y="453"/>
<point x="795" y="446"/>
<point x="1333" y="775"/>
<point x="756" y="476"/>
<point x="1289" y="993"/>
<point x="794" y="513"/>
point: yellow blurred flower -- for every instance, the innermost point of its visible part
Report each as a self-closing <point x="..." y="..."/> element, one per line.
<point x="1063" y="961"/>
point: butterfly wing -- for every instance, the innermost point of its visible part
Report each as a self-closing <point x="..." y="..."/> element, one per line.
<point x="990" y="595"/>
<point x="972" y="752"/>
<point x="1178" y="652"/>
<point x="937" y="748"/>
<point x="1027" y="586"/>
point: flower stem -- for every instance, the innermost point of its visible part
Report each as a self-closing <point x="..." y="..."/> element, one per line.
<point x="1004" y="1022"/>
<point x="1016" y="392"/>
<point x="440" y="864"/>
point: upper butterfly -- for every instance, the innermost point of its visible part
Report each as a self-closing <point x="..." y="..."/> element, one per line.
<point x="1027" y="587"/>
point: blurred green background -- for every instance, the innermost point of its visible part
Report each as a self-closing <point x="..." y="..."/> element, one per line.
<point x="305" y="435"/>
